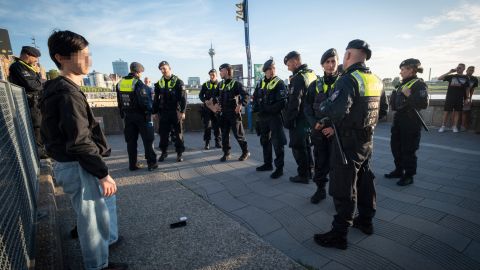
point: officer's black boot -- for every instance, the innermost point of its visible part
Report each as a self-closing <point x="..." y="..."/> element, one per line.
<point x="218" y="144"/>
<point x="152" y="166"/>
<point x="320" y="194"/>
<point x="136" y="167"/>
<point x="179" y="157"/>
<point x="225" y="157"/>
<point x="163" y="156"/>
<point x="207" y="145"/>
<point x="331" y="239"/>
<point x="264" y="167"/>
<point x="277" y="173"/>
<point x="363" y="225"/>
<point x="299" y="179"/>
<point x="405" y="180"/>
<point x="397" y="173"/>
<point x="244" y="156"/>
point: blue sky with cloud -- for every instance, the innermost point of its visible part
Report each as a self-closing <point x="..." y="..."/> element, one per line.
<point x="440" y="33"/>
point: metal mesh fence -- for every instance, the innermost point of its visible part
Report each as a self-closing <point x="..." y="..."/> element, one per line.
<point x="18" y="180"/>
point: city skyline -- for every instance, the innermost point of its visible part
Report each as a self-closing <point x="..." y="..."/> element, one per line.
<point x="439" y="33"/>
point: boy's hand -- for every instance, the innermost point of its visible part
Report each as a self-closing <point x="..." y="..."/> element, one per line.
<point x="109" y="186"/>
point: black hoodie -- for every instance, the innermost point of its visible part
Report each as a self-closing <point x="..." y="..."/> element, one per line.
<point x="69" y="130"/>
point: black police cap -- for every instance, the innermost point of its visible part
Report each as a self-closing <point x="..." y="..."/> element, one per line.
<point x="267" y="65"/>
<point x="212" y="71"/>
<point x="361" y="45"/>
<point x="412" y="62"/>
<point x="329" y="53"/>
<point x="31" y="51"/>
<point x="136" y="67"/>
<point x="163" y="63"/>
<point x="226" y="65"/>
<point x="290" y="55"/>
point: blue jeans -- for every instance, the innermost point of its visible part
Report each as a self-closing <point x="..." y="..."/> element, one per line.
<point x="96" y="215"/>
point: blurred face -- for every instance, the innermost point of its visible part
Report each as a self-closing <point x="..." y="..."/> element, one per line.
<point x="270" y="73"/>
<point x="166" y="71"/>
<point x="470" y="71"/>
<point x="147" y="81"/>
<point x="406" y="72"/>
<point x="460" y="69"/>
<point x="77" y="63"/>
<point x="223" y="73"/>
<point x="330" y="65"/>
<point x="31" y="60"/>
<point x="293" y="63"/>
<point x="213" y="76"/>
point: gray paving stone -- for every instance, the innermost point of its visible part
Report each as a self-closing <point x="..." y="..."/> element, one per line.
<point x="262" y="222"/>
<point x="461" y="226"/>
<point x="434" y="195"/>
<point x="335" y="266"/>
<point x="301" y="204"/>
<point x="386" y="214"/>
<point x="426" y="185"/>
<point x="413" y="210"/>
<point x="236" y="188"/>
<point x="400" y="196"/>
<point x="470" y="193"/>
<point x="354" y="257"/>
<point x="453" y="210"/>
<point x="303" y="190"/>
<point x="295" y="224"/>
<point x="470" y="204"/>
<point x="443" y="254"/>
<point x="321" y="220"/>
<point x="282" y="240"/>
<point x="308" y="258"/>
<point x="394" y="232"/>
<point x="441" y="179"/>
<point x="261" y="202"/>
<point x="399" y="254"/>
<point x="473" y="250"/>
<point x="226" y="201"/>
<point x="438" y="232"/>
<point x="264" y="189"/>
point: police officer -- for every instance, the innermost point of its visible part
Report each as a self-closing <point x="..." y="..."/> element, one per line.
<point x="321" y="144"/>
<point x="232" y="97"/>
<point x="295" y="119"/>
<point x="170" y="102"/>
<point x="411" y="95"/>
<point x="269" y="99"/>
<point x="209" y="96"/>
<point x="135" y="104"/>
<point x="353" y="109"/>
<point x="24" y="72"/>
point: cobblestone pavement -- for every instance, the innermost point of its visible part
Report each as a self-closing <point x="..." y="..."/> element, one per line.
<point x="432" y="224"/>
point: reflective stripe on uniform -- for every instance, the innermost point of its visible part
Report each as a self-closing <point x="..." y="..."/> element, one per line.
<point x="271" y="85"/>
<point x="28" y="66"/>
<point x="171" y="83"/>
<point x="409" y="84"/>
<point x="369" y="85"/>
<point x="229" y="85"/>
<point x="309" y="77"/>
<point x="210" y="85"/>
<point x="127" y="85"/>
<point x="325" y="86"/>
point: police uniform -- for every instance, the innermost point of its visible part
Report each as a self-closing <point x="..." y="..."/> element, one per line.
<point x="269" y="99"/>
<point x="353" y="108"/>
<point x="210" y="119"/>
<point x="232" y="94"/>
<point x="406" y="127"/>
<point x="321" y="144"/>
<point x="135" y="104"/>
<point x="296" y="121"/>
<point x="170" y="99"/>
<point x="28" y="77"/>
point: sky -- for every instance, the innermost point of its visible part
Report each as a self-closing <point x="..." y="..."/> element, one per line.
<point x="440" y="33"/>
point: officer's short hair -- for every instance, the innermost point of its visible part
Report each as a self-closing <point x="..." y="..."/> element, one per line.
<point x="471" y="67"/>
<point x="212" y="71"/>
<point x="65" y="43"/>
<point x="163" y="63"/>
<point x="461" y="64"/>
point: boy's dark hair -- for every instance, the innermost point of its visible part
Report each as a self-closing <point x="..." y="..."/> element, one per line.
<point x="462" y="64"/>
<point x="65" y="43"/>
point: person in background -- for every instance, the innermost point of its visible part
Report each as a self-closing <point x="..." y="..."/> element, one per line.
<point x="467" y="107"/>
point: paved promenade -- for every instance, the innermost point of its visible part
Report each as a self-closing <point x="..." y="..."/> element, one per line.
<point x="242" y="219"/>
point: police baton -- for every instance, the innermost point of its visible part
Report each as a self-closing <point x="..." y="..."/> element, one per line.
<point x="337" y="140"/>
<point x="421" y="119"/>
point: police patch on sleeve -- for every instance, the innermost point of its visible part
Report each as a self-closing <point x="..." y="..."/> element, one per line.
<point x="334" y="95"/>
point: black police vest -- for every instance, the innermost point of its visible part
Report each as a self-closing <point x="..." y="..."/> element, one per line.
<point x="366" y="103"/>
<point x="212" y="90"/>
<point x="228" y="99"/>
<point x="168" y="95"/>
<point x="265" y="92"/>
<point x="128" y="98"/>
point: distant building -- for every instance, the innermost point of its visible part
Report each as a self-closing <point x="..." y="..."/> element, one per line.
<point x="86" y="81"/>
<point x="97" y="79"/>
<point x="194" y="82"/>
<point x="120" y="67"/>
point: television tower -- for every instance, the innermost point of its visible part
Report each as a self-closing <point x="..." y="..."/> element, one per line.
<point x="211" y="52"/>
